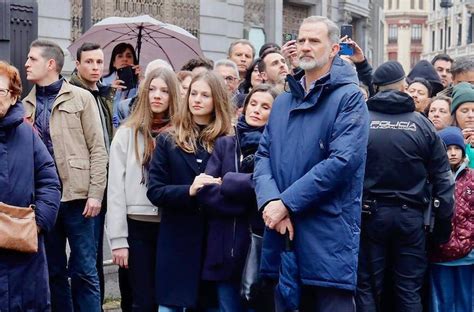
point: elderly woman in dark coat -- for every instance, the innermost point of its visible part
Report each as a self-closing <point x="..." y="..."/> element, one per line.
<point x="27" y="176"/>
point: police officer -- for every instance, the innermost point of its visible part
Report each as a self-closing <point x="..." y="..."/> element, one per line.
<point x="404" y="156"/>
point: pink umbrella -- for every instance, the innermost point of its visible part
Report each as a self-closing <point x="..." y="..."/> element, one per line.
<point x="151" y="38"/>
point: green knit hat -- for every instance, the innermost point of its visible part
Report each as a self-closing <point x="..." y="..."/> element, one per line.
<point x="462" y="93"/>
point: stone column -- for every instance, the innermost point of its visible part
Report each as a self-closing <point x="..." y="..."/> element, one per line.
<point x="274" y="21"/>
<point x="221" y="22"/>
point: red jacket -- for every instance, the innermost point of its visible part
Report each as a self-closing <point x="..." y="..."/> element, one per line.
<point x="461" y="241"/>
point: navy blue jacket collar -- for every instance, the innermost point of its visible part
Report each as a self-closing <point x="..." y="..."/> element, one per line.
<point x="14" y="116"/>
<point x="340" y="73"/>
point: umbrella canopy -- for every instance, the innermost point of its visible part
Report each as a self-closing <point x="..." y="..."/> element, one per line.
<point x="151" y="38"/>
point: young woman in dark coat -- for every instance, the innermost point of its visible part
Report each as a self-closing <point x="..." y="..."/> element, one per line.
<point x="231" y="205"/>
<point x="176" y="174"/>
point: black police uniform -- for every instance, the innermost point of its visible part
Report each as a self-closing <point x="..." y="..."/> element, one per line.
<point x="403" y="153"/>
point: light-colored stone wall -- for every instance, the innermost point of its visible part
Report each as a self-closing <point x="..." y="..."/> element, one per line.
<point x="221" y="22"/>
<point x="54" y="23"/>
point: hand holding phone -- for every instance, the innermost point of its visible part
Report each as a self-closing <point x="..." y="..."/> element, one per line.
<point x="345" y="47"/>
<point x="288" y="37"/>
<point x="127" y="75"/>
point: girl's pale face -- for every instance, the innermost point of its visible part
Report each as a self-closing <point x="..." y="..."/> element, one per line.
<point x="258" y="109"/>
<point x="159" y="96"/>
<point x="465" y="115"/>
<point x="123" y="59"/>
<point x="419" y="93"/>
<point x="440" y="114"/>
<point x="200" y="102"/>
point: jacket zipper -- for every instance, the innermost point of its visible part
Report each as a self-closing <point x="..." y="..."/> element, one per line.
<point x="233" y="239"/>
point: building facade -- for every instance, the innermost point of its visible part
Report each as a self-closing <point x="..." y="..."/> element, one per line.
<point x="215" y="22"/>
<point x="450" y="30"/>
<point x="406" y="30"/>
<point x="219" y="22"/>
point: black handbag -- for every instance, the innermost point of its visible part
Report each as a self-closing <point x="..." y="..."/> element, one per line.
<point x="250" y="284"/>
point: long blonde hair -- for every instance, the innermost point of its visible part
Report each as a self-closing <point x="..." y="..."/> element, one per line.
<point x="186" y="132"/>
<point x="141" y="119"/>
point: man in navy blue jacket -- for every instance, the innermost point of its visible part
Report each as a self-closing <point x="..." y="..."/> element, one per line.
<point x="309" y="171"/>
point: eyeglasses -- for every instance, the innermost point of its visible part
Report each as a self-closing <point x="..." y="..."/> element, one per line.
<point x="4" y="92"/>
<point x="229" y="79"/>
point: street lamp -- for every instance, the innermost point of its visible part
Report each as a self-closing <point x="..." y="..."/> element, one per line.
<point x="446" y="4"/>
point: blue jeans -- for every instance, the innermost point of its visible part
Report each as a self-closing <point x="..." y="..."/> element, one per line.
<point x="169" y="309"/>
<point x="179" y="309"/>
<point x="99" y="222"/>
<point x="451" y="288"/>
<point x="84" y="292"/>
<point x="228" y="297"/>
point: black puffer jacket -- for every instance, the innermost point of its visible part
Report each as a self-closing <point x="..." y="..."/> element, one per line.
<point x="404" y="153"/>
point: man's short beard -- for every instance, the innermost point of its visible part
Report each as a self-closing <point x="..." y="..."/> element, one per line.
<point x="314" y="63"/>
<point x="308" y="65"/>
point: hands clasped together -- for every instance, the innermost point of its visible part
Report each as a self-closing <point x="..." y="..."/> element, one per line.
<point x="276" y="217"/>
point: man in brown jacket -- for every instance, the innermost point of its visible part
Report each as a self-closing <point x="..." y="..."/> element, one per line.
<point x="67" y="119"/>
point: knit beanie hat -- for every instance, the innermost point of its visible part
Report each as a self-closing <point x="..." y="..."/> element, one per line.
<point x="424" y="69"/>
<point x="453" y="136"/>
<point x="462" y="93"/>
<point x="388" y="73"/>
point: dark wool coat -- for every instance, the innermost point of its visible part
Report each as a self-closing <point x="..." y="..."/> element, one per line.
<point x="228" y="208"/>
<point x="27" y="175"/>
<point x="182" y="227"/>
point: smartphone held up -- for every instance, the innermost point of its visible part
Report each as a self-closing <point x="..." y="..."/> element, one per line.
<point x="345" y="47"/>
<point x="288" y="37"/>
<point x="127" y="75"/>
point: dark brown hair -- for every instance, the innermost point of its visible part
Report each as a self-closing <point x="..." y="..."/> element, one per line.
<point x="260" y="88"/>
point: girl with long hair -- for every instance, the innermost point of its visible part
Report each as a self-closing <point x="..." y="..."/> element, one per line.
<point x="231" y="206"/>
<point x="132" y="220"/>
<point x="176" y="175"/>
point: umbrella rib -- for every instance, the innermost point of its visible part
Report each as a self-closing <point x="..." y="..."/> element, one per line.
<point x="167" y="37"/>
<point x="160" y="46"/>
<point x="187" y="45"/>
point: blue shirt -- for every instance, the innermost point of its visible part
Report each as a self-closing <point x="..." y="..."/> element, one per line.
<point x="313" y="84"/>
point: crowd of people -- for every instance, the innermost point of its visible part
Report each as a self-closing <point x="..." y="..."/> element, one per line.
<point x="362" y="175"/>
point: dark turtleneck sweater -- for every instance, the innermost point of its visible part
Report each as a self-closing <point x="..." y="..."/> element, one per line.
<point x="45" y="97"/>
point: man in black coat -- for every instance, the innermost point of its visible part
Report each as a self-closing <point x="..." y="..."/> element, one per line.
<point x="404" y="156"/>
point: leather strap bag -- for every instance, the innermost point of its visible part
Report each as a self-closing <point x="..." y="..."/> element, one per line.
<point x="250" y="284"/>
<point x="18" y="229"/>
